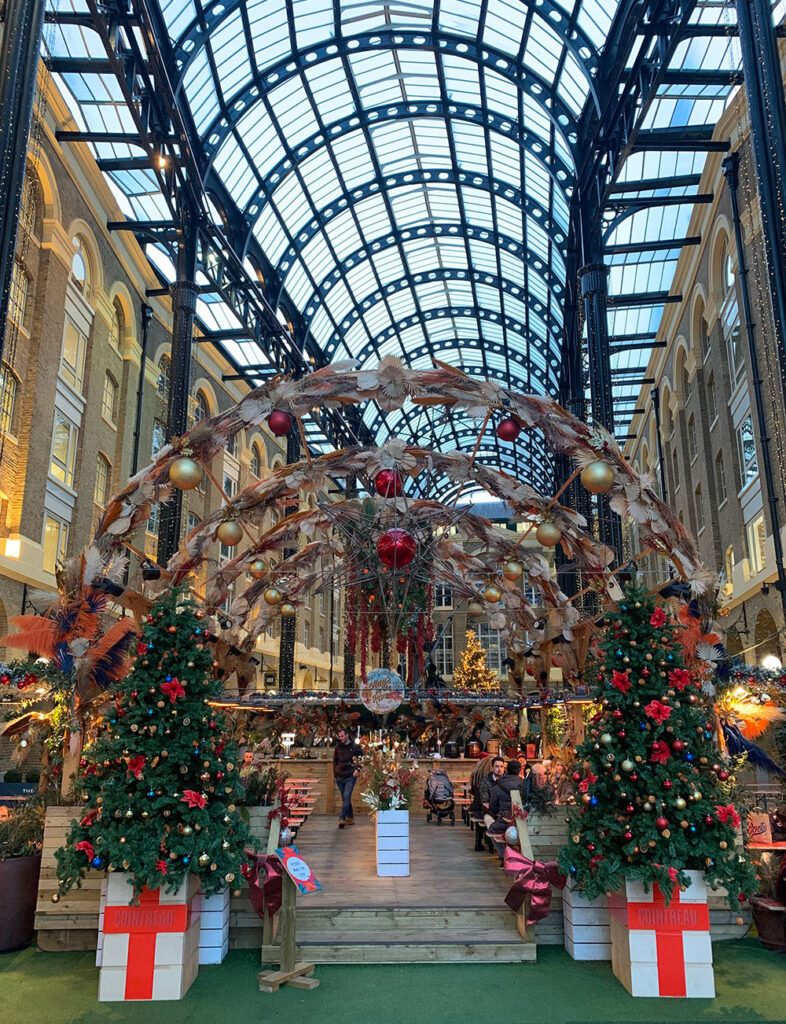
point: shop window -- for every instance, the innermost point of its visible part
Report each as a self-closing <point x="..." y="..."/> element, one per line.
<point x="109" y="399"/>
<point x="64" y="442"/>
<point x="8" y="387"/>
<point x="72" y="361"/>
<point x="746" y="445"/>
<point x="103" y="474"/>
<point x="55" y="542"/>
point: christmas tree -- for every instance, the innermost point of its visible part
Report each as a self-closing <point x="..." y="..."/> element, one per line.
<point x="652" y="792"/>
<point x="159" y="784"/>
<point x="472" y="672"/>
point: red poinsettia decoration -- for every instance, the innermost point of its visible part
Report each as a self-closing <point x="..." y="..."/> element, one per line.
<point x="135" y="766"/>
<point x="141" y="648"/>
<point x="660" y="752"/>
<point x="161" y="866"/>
<point x="86" y="847"/>
<point x="621" y="681"/>
<point x="728" y="815"/>
<point x="192" y="798"/>
<point x="89" y="818"/>
<point x="679" y="678"/>
<point x="657" y="711"/>
<point x="658" y="617"/>
<point x="173" y="690"/>
<point x="585" y="784"/>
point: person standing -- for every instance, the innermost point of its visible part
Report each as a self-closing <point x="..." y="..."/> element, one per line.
<point x="487" y="785"/>
<point x="345" y="771"/>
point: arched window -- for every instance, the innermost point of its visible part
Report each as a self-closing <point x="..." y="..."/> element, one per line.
<point x="693" y="446"/>
<point x="8" y="386"/>
<point x="201" y="408"/>
<point x="256" y="460"/>
<point x="712" y="398"/>
<point x="728" y="269"/>
<point x="704" y="338"/>
<point x="80" y="267"/>
<point x="164" y="377"/>
<point x="232" y="445"/>
<point x="675" y="465"/>
<point x="720" y="476"/>
<point x="109" y="399"/>
<point x="699" y="508"/>
<point x="103" y="474"/>
<point x="685" y="386"/>
<point x="117" y="328"/>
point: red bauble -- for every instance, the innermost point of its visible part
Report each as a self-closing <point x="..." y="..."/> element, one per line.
<point x="628" y="835"/>
<point x="634" y="777"/>
<point x="616" y="713"/>
<point x="621" y="734"/>
<point x="591" y="847"/>
<point x="723" y="775"/>
<point x="388" y="483"/>
<point x="661" y="823"/>
<point x="279" y="422"/>
<point x="396" y="548"/>
<point x="576" y="776"/>
<point x="508" y="429"/>
<point x="708" y="819"/>
<point x="667" y="783"/>
<point x="629" y="809"/>
<point x="678" y="745"/>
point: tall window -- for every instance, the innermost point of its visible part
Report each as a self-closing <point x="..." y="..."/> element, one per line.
<point x="64" y="441"/>
<point x="443" y="597"/>
<point x="256" y="460"/>
<point x="109" y="399"/>
<point x="154" y="521"/>
<point x="757" y="540"/>
<point x="164" y="377"/>
<point x="746" y="444"/>
<point x="712" y="398"/>
<point x="55" y="542"/>
<point x="735" y="353"/>
<point x="201" y="408"/>
<point x="704" y="338"/>
<point x="306" y="633"/>
<point x="230" y="489"/>
<point x="443" y="652"/>
<point x="322" y="638"/>
<point x="675" y="466"/>
<point x="72" y="362"/>
<point x="728" y="270"/>
<point x="103" y="472"/>
<point x="729" y="566"/>
<point x="80" y="267"/>
<point x="7" y="400"/>
<point x="699" y="508"/>
<point x="692" y="442"/>
<point x="720" y="476"/>
<point x="490" y="640"/>
<point x="159" y="437"/>
<point x="232" y="445"/>
<point x="17" y="296"/>
<point x="192" y="522"/>
<point x="116" y="331"/>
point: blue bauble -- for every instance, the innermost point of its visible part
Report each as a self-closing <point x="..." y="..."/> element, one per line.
<point x="643" y="726"/>
<point x="689" y="756"/>
<point x="97" y="862"/>
<point x="185" y="860"/>
<point x="593" y="801"/>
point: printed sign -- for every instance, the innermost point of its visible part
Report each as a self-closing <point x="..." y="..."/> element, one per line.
<point x="297" y="869"/>
<point x="382" y="691"/>
<point x="758" y="828"/>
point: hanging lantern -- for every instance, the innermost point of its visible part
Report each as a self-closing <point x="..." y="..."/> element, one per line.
<point x="509" y="428"/>
<point x="512" y="570"/>
<point x="597" y="477"/>
<point x="257" y="569"/>
<point x="474" y="609"/>
<point x="230" y="533"/>
<point x="492" y="593"/>
<point x="396" y="548"/>
<point x="287" y="609"/>
<point x="280" y="422"/>
<point x="273" y="596"/>
<point x="388" y="483"/>
<point x="186" y="473"/>
<point x="548" y="534"/>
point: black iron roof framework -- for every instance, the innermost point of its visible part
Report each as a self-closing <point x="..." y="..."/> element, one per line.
<point x="417" y="181"/>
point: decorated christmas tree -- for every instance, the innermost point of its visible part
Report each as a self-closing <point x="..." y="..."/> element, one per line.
<point x="472" y="672"/>
<point x="159" y="784"/>
<point x="652" y="790"/>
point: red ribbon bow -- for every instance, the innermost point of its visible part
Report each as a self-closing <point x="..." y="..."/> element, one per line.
<point x="535" y="881"/>
<point x="263" y="874"/>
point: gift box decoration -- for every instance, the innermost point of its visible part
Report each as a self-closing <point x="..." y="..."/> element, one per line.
<point x="587" y="930"/>
<point x="214" y="926"/>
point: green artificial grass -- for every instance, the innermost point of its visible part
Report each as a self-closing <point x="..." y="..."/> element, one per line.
<point x="60" y="988"/>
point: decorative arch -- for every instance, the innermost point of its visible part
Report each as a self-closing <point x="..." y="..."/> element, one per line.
<point x="120" y="295"/>
<point x="47" y="181"/>
<point x="721" y="244"/>
<point x="79" y="228"/>
<point x="681" y="377"/>
<point x="699" y="328"/>
<point x="203" y="385"/>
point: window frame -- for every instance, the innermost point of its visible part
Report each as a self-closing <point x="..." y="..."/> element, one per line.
<point x="73" y="375"/>
<point x="9" y="389"/>
<point x="68" y="467"/>
<point x="443" y="654"/>
<point x="109" y="415"/>
<point x="749" y="467"/>
<point x="102" y="464"/>
<point x="61" y="547"/>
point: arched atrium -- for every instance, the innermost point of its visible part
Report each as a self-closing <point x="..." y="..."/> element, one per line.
<point x="418" y="367"/>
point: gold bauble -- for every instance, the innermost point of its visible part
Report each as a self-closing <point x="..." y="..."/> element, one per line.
<point x="257" y="570"/>
<point x="287" y="610"/>
<point x="548" y="534"/>
<point x="597" y="477"/>
<point x="204" y="858"/>
<point x="230" y="533"/>
<point x="474" y="609"/>
<point x="55" y="897"/>
<point x="186" y="474"/>
<point x="273" y="596"/>
<point x="492" y="593"/>
<point x="512" y="570"/>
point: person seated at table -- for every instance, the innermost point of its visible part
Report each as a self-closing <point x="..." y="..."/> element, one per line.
<point x="487" y="784"/>
<point x="500" y="803"/>
<point x="476" y="737"/>
<point x="478" y="774"/>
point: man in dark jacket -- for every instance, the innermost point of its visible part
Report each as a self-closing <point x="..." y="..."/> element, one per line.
<point x="346" y="769"/>
<point x="500" y="803"/>
<point x="488" y="784"/>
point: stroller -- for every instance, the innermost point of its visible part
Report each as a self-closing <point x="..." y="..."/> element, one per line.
<point x="438" y="798"/>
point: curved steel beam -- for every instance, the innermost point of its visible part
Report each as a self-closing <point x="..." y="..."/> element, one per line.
<point x="542" y="92"/>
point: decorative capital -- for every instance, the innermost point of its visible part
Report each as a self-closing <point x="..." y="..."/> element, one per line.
<point x="594" y="279"/>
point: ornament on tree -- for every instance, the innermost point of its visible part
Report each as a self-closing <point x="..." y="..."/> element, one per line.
<point x="388" y="483"/>
<point x="257" y="569"/>
<point x="273" y="596"/>
<point x="597" y="477"/>
<point x="475" y="609"/>
<point x="287" y="610"/>
<point x="186" y="473"/>
<point x="280" y="422"/>
<point x="230" y="533"/>
<point x="512" y="570"/>
<point x="492" y="593"/>
<point x="548" y="534"/>
<point x="396" y="548"/>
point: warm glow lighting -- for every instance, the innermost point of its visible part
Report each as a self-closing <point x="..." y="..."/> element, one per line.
<point x="13" y="547"/>
<point x="772" y="663"/>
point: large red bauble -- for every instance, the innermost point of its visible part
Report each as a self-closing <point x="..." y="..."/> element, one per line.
<point x="396" y="548"/>
<point x="279" y="422"/>
<point x="508" y="429"/>
<point x="661" y="823"/>
<point x="388" y="483"/>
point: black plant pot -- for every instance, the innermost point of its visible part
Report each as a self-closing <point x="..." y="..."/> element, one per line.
<point x="18" y="892"/>
<point x="769" y="916"/>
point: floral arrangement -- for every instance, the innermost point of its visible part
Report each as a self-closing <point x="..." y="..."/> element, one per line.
<point x="262" y="784"/>
<point x="387" y="784"/>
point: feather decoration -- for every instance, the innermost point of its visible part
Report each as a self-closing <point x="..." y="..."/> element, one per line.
<point x="35" y="634"/>
<point x="736" y="744"/>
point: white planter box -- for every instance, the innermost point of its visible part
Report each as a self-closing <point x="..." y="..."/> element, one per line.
<point x="132" y="966"/>
<point x="662" y="951"/>
<point x="214" y="930"/>
<point x="392" y="844"/>
<point x="587" y="932"/>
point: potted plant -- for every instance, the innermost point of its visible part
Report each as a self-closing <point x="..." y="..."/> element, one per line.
<point x="263" y="796"/>
<point x="769" y="904"/>
<point x="21" y="837"/>
<point x="388" y="788"/>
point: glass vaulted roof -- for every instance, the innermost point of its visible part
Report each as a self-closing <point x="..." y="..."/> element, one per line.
<point x="401" y="173"/>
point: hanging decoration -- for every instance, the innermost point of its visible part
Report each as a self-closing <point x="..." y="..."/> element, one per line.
<point x="382" y="691"/>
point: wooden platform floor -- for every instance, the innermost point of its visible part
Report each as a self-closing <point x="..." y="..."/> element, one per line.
<point x="445" y="871"/>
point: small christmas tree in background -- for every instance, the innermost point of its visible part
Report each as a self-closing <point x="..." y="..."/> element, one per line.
<point x="652" y="795"/>
<point x="472" y="672"/>
<point x="160" y="784"/>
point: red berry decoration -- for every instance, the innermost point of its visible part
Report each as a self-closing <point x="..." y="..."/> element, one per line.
<point x="396" y="548"/>
<point x="388" y="483"/>
<point x="661" y="823"/>
<point x="279" y="422"/>
<point x="509" y="428"/>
